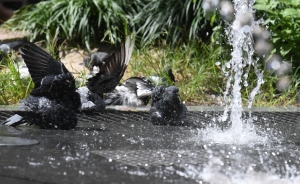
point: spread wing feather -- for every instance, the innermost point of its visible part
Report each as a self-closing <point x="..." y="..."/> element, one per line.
<point x="43" y="69"/>
<point x="113" y="70"/>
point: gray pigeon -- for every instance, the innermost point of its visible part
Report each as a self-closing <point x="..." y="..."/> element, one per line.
<point x="134" y="91"/>
<point x="6" y="48"/>
<point x="9" y="46"/>
<point x="166" y="108"/>
<point x="53" y="102"/>
<point x="106" y="80"/>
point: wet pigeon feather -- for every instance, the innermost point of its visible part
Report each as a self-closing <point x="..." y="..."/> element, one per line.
<point x="50" y="77"/>
<point x="137" y="91"/>
<point x="134" y="91"/>
<point x="113" y="70"/>
<point x="107" y="79"/>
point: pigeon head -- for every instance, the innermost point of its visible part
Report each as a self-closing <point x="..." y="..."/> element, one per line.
<point x="171" y="93"/>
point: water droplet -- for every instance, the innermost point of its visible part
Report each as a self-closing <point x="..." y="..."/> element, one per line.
<point x="228" y="65"/>
<point x="81" y="172"/>
<point x="246" y="29"/>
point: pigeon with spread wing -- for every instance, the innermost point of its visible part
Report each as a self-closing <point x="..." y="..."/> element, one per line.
<point x="53" y="102"/>
<point x="106" y="80"/>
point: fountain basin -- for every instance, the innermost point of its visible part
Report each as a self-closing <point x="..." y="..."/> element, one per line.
<point x="122" y="146"/>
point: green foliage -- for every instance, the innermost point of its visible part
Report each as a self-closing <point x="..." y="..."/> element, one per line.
<point x="79" y="21"/>
<point x="282" y="17"/>
<point x="270" y="96"/>
<point x="174" y="20"/>
<point x="12" y="86"/>
<point x="193" y="64"/>
<point x="89" y="22"/>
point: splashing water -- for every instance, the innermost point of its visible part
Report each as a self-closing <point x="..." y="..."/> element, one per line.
<point x="213" y="174"/>
<point x="240" y="37"/>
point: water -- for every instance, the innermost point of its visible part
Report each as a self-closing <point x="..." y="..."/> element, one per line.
<point x="237" y="70"/>
<point x="265" y="163"/>
<point x="240" y="37"/>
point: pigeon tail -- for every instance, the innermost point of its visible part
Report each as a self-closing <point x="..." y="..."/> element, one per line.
<point x="15" y="120"/>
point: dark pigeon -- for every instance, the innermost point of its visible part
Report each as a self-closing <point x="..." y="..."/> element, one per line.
<point x="97" y="59"/>
<point x="166" y="108"/>
<point x="136" y="91"/>
<point x="53" y="102"/>
<point x="108" y="77"/>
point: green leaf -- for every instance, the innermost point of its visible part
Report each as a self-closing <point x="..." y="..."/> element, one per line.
<point x="212" y="20"/>
<point x="262" y="7"/>
<point x="273" y="4"/>
<point x="290" y="12"/>
<point x="271" y="21"/>
<point x="285" y="49"/>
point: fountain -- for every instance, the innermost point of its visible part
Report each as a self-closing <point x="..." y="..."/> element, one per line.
<point x="267" y="146"/>
<point x="124" y="147"/>
<point x="241" y="40"/>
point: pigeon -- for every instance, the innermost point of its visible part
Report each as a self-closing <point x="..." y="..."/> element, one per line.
<point x="166" y="108"/>
<point x="97" y="59"/>
<point x="6" y="48"/>
<point x="106" y="80"/>
<point x="136" y="91"/>
<point x="53" y="102"/>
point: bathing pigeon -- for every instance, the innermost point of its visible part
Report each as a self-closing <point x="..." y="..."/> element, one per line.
<point x="166" y="108"/>
<point x="53" y="102"/>
<point x="134" y="91"/>
<point x="8" y="47"/>
<point x="111" y="72"/>
<point x="95" y="59"/>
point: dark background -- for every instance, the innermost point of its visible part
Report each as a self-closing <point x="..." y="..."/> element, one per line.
<point x="16" y="4"/>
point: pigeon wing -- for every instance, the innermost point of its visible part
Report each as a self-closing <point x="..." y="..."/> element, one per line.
<point x="142" y="86"/>
<point x="43" y="68"/>
<point x="113" y="70"/>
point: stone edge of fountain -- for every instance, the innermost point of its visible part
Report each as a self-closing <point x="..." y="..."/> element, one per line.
<point x="190" y="108"/>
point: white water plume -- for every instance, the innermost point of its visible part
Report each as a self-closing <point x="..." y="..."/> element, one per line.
<point x="240" y="33"/>
<point x="240" y="37"/>
<point x="214" y="172"/>
<point x="213" y="175"/>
